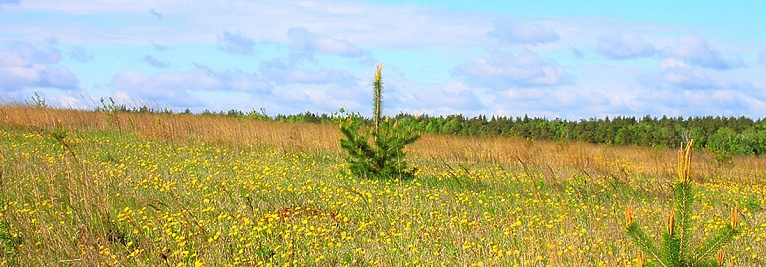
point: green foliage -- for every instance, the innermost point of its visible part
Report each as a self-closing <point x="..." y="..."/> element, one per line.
<point x="722" y="159"/>
<point x="675" y="239"/>
<point x="727" y="140"/>
<point x="752" y="204"/>
<point x="111" y="109"/>
<point x="38" y="101"/>
<point x="379" y="151"/>
<point x="9" y="241"/>
<point x="743" y="137"/>
<point x="259" y="115"/>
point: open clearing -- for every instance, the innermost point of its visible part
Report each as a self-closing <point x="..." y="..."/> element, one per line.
<point x="128" y="189"/>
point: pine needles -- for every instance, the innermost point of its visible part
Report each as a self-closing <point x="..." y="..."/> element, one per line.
<point x="674" y="249"/>
<point x="384" y="157"/>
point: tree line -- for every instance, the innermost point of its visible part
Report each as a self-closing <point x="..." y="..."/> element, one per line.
<point x="731" y="135"/>
<point x="734" y="135"/>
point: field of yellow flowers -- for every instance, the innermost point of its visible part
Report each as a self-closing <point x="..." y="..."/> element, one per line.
<point x="81" y="189"/>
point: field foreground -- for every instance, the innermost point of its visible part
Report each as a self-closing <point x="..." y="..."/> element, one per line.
<point x="90" y="189"/>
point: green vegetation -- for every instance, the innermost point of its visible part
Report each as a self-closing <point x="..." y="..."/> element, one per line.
<point x="674" y="250"/>
<point x="385" y="156"/>
<point x="156" y="189"/>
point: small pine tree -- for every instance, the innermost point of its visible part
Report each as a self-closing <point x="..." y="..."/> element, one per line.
<point x="384" y="157"/>
<point x="674" y="249"/>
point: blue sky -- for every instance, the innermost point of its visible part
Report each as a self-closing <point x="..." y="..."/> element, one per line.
<point x="558" y="59"/>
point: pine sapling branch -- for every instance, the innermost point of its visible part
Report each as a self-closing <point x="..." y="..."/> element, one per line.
<point x="377" y="97"/>
<point x="719" y="239"/>
<point x="675" y="238"/>
<point x="645" y="243"/>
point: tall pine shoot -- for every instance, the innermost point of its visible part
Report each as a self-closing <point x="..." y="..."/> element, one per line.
<point x="674" y="247"/>
<point x="377" y="152"/>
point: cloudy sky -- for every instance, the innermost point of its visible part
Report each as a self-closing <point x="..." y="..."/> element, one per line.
<point x="565" y="59"/>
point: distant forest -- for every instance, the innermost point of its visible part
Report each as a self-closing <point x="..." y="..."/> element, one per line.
<point x="728" y="135"/>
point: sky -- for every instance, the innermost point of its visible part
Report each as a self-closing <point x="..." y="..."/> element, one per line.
<point x="553" y="59"/>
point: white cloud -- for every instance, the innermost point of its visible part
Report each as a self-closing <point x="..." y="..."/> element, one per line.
<point x="449" y="98"/>
<point x="679" y="73"/>
<point x="696" y="50"/>
<point x="148" y="59"/>
<point x="502" y="70"/>
<point x="80" y="54"/>
<point x="335" y="22"/>
<point x="310" y="42"/>
<point x="299" y="89"/>
<point x="166" y="88"/>
<point x="178" y="88"/>
<point x="320" y="98"/>
<point x="236" y="43"/>
<point x="623" y="46"/>
<point x="280" y="73"/>
<point x="336" y="35"/>
<point x="524" y="33"/>
<point x="23" y="66"/>
<point x="698" y="103"/>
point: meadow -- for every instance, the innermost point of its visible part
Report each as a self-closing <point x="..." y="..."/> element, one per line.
<point x="83" y="188"/>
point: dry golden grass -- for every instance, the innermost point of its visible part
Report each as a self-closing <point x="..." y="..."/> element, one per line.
<point x="209" y="129"/>
<point x="559" y="159"/>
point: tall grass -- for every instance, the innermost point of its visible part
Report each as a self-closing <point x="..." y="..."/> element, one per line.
<point x="194" y="190"/>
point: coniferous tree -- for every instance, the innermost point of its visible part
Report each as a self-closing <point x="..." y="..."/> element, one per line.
<point x="384" y="156"/>
<point x="674" y="249"/>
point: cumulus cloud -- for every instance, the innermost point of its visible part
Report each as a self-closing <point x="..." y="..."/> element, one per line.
<point x="179" y="87"/>
<point x="696" y="50"/>
<point x="679" y="73"/>
<point x="309" y="42"/>
<point x="524" y="33"/>
<point x="80" y="54"/>
<point x="155" y="62"/>
<point x="280" y="73"/>
<point x="450" y="98"/>
<point x="236" y="43"/>
<point x="698" y="103"/>
<point x="320" y="98"/>
<point x="23" y="65"/>
<point x="623" y="46"/>
<point x="501" y="70"/>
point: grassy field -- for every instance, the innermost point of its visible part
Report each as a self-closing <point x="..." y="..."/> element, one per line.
<point x="126" y="189"/>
